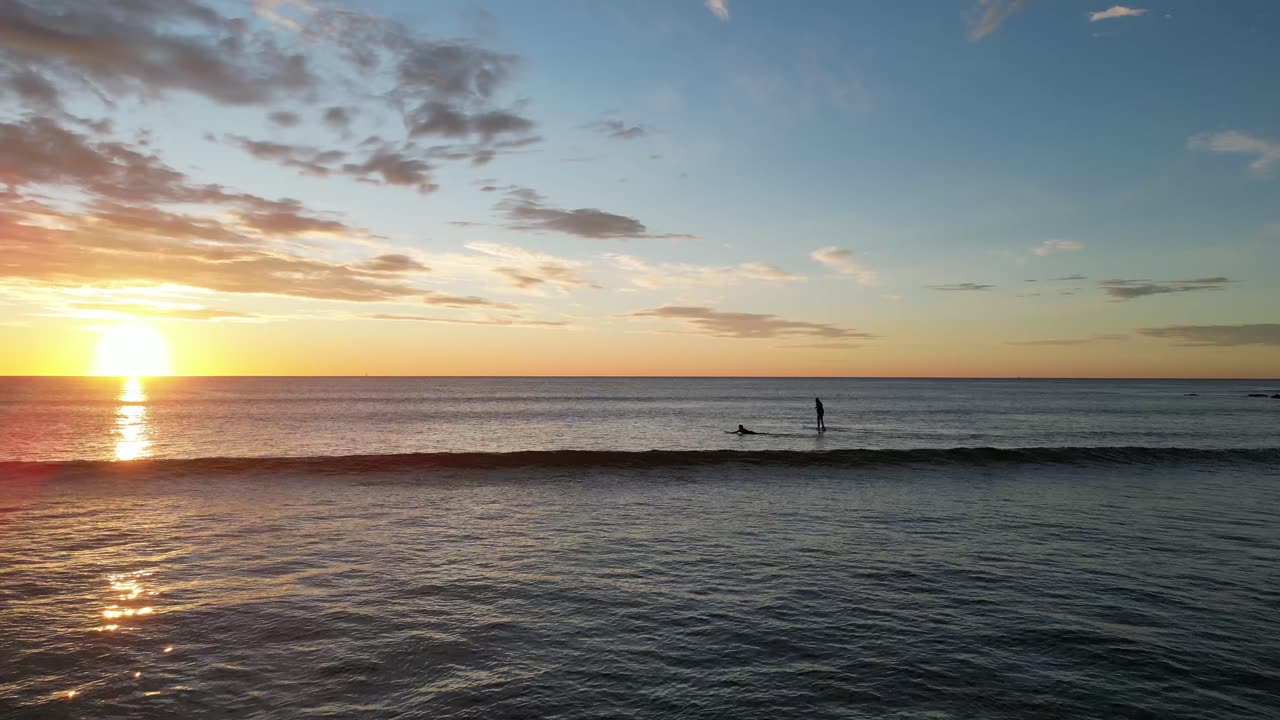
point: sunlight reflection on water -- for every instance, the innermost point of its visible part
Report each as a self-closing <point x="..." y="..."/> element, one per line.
<point x="127" y="589"/>
<point x="132" y="437"/>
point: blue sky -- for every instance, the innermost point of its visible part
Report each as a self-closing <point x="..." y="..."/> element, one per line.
<point x="1020" y="187"/>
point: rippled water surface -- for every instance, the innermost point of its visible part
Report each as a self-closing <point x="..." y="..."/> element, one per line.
<point x="319" y="548"/>
<point x="723" y="590"/>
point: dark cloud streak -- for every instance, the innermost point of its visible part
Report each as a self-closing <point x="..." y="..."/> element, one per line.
<point x="1217" y="335"/>
<point x="1122" y="290"/>
<point x="527" y="209"/>
<point x="715" y="323"/>
<point x="960" y="287"/>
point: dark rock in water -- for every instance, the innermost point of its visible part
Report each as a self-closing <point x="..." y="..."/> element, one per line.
<point x="1257" y="394"/>
<point x="1276" y="396"/>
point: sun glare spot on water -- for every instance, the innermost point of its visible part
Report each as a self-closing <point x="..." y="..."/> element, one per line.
<point x="131" y="432"/>
<point x="132" y="391"/>
<point x="131" y="351"/>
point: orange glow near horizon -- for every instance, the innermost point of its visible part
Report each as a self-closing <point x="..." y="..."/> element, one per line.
<point x="57" y="347"/>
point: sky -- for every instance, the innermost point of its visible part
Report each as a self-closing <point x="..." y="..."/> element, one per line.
<point x="945" y="188"/>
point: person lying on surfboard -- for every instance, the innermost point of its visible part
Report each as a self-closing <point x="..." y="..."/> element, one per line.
<point x="742" y="431"/>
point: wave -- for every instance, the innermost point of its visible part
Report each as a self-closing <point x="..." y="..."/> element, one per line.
<point x="587" y="459"/>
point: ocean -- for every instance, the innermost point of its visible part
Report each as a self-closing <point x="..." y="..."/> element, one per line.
<point x="603" y="548"/>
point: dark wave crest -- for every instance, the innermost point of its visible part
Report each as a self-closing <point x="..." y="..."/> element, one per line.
<point x="588" y="459"/>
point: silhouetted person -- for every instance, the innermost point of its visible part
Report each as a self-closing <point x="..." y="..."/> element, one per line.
<point x="822" y="424"/>
<point x="742" y="431"/>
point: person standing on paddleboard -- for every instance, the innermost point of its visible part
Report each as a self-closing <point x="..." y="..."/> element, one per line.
<point x="817" y="405"/>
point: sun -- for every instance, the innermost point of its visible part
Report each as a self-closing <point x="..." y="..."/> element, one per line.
<point x="132" y="351"/>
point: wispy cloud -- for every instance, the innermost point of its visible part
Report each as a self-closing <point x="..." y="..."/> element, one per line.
<point x="661" y="275"/>
<point x="393" y="263"/>
<point x="153" y="311"/>
<point x="1116" y="11"/>
<point x="719" y="8"/>
<point x="464" y="302"/>
<point x="1073" y="341"/>
<point x="845" y="262"/>
<point x="531" y="270"/>
<point x="618" y="129"/>
<point x="706" y="321"/>
<point x="503" y="322"/>
<point x="1217" y="335"/>
<point x="1267" y="152"/>
<point x="991" y="14"/>
<point x="1132" y="289"/>
<point x="960" y="287"/>
<point x="823" y="346"/>
<point x="1051" y="247"/>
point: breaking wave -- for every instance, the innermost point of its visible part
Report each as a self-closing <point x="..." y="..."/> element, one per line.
<point x="588" y="459"/>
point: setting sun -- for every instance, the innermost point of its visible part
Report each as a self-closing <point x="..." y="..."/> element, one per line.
<point x="132" y="351"/>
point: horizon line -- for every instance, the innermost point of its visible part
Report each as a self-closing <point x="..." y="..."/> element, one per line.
<point x="671" y="377"/>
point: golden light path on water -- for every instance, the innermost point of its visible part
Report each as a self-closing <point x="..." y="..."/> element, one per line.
<point x="128" y="601"/>
<point x="131" y="431"/>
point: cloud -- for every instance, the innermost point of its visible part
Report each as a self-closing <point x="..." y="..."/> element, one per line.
<point x="660" y="275"/>
<point x="719" y="8"/>
<point x="1051" y="247"/>
<point x="338" y="118"/>
<point x="1132" y="289"/>
<point x="845" y="262"/>
<point x="445" y="120"/>
<point x="285" y="118"/>
<point x="823" y="346"/>
<point x="461" y="302"/>
<point x="153" y="50"/>
<point x="1116" y="11"/>
<point x="156" y="312"/>
<point x="384" y="165"/>
<point x="1069" y="277"/>
<point x="39" y="152"/>
<point x="146" y="49"/>
<point x="960" y="287"/>
<point x="991" y="14"/>
<point x="706" y="321"/>
<point x="1073" y="341"/>
<point x="526" y="209"/>
<point x="1239" y="141"/>
<point x="1217" y="335"/>
<point x="618" y="130"/>
<point x="393" y="263"/>
<point x="393" y="168"/>
<point x="533" y="270"/>
<point x="112" y="245"/>
<point x="308" y="160"/>
<point x="34" y="89"/>
<point x="505" y="322"/>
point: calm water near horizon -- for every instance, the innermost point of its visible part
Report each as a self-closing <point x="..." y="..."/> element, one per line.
<point x="1115" y="555"/>
<point x="105" y="418"/>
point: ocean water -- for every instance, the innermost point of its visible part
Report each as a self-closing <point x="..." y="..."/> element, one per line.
<point x="103" y="418"/>
<point x="533" y="548"/>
